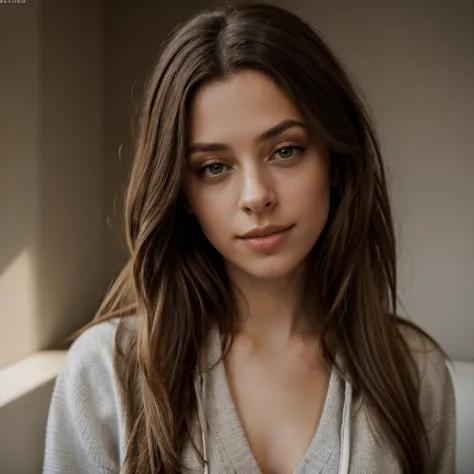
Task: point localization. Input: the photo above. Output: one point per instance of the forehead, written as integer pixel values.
(242, 106)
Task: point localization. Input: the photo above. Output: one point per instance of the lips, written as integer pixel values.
(266, 239)
(264, 231)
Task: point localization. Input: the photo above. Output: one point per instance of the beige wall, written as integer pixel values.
(70, 74)
(414, 61)
(19, 170)
(51, 171)
(67, 71)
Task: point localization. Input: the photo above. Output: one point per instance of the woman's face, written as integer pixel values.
(251, 163)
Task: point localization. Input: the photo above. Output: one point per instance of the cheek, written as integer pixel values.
(311, 195)
(311, 203)
(213, 213)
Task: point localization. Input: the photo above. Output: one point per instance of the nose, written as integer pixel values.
(257, 193)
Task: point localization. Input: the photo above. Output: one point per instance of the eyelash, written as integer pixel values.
(291, 147)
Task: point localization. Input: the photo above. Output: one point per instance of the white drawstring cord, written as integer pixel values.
(346, 431)
(200, 386)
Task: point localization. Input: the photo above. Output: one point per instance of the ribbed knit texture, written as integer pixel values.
(85, 429)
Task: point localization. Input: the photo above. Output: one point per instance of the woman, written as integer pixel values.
(254, 328)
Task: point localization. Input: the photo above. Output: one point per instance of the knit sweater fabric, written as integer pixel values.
(86, 430)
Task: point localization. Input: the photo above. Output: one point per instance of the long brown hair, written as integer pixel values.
(174, 281)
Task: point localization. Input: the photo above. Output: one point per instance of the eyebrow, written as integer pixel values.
(272, 132)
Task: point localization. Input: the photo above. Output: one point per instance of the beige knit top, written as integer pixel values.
(86, 433)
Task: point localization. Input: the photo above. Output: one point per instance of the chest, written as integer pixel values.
(279, 398)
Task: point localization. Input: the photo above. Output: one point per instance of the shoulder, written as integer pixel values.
(90, 372)
(86, 417)
(430, 360)
(93, 351)
(436, 395)
(90, 359)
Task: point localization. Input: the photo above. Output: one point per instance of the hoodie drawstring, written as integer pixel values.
(346, 431)
(200, 385)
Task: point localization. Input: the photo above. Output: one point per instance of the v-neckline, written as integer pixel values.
(226, 427)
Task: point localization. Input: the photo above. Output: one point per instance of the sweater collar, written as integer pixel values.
(226, 430)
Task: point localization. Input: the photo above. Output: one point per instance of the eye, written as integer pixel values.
(288, 152)
(212, 170)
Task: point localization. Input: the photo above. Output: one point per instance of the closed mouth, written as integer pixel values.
(264, 232)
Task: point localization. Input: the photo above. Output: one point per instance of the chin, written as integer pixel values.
(270, 267)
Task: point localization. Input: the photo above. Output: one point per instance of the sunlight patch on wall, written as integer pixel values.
(18, 316)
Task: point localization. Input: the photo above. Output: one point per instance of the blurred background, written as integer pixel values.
(71, 77)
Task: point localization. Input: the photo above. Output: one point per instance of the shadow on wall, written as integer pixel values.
(51, 257)
(68, 98)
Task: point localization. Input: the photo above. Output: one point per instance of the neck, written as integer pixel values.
(272, 311)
